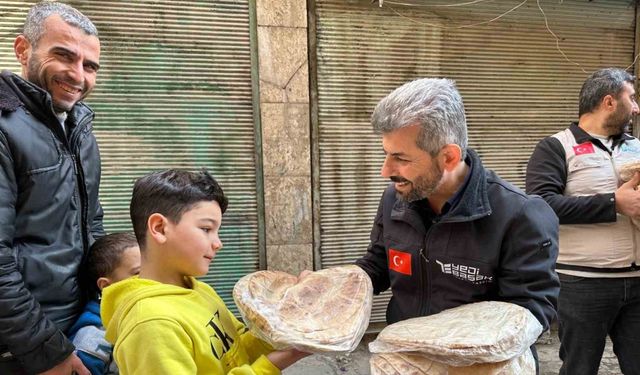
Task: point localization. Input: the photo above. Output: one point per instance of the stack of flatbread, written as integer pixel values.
(627, 170)
(417, 364)
(328, 310)
(480, 338)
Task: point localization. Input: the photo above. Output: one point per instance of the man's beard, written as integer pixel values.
(33, 73)
(617, 122)
(422, 187)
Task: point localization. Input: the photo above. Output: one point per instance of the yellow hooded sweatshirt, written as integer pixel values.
(165, 329)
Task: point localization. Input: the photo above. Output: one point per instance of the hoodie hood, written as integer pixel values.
(120, 298)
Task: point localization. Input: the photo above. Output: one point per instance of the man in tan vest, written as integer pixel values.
(575, 171)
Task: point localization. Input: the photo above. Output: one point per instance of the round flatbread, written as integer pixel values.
(327, 311)
(480, 332)
(405, 364)
(416, 364)
(627, 171)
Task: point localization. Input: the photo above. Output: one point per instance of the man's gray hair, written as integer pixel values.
(433, 104)
(603, 82)
(34, 24)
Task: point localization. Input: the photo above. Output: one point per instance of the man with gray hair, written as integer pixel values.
(448, 231)
(49, 177)
(575, 171)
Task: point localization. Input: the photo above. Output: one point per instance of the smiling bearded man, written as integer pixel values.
(448, 231)
(49, 176)
(579, 172)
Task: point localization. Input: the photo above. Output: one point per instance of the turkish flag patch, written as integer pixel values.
(400, 262)
(583, 148)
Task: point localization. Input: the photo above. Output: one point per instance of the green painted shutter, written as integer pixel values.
(174, 91)
(517, 88)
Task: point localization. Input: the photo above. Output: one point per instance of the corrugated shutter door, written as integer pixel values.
(174, 90)
(517, 88)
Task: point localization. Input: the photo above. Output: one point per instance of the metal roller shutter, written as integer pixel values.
(517, 88)
(174, 90)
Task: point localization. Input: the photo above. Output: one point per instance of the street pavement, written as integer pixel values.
(357, 362)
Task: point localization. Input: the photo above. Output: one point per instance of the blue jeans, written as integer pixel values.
(589, 309)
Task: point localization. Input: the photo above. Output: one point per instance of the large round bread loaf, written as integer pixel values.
(405, 364)
(416, 364)
(626, 171)
(474, 333)
(327, 311)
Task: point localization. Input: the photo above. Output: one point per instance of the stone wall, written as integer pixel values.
(284, 111)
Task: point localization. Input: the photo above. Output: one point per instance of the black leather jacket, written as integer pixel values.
(495, 243)
(49, 216)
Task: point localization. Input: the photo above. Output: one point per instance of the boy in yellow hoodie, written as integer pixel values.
(165, 321)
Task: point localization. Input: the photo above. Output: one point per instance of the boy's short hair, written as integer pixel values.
(171, 193)
(105, 255)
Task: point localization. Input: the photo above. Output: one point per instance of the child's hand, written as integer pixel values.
(285, 358)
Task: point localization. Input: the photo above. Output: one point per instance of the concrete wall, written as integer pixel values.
(284, 107)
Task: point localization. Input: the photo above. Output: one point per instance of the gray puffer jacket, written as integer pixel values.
(49, 216)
